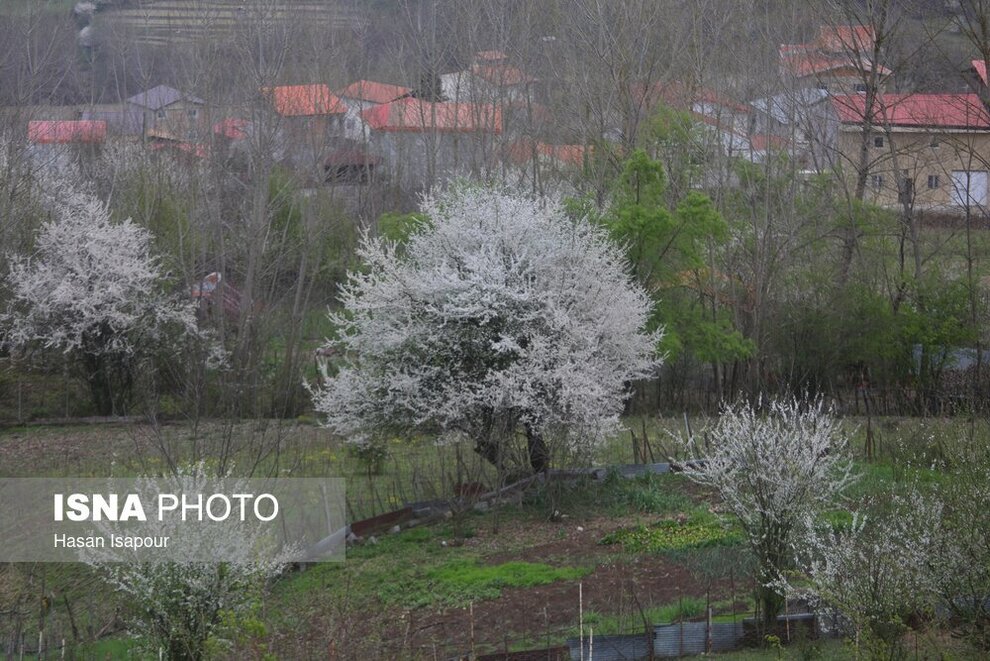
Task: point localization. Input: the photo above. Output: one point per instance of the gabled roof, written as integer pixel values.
(160, 97)
(369, 90)
(415, 115)
(980, 67)
(948, 111)
(835, 48)
(803, 64)
(305, 100)
(79, 131)
(499, 74)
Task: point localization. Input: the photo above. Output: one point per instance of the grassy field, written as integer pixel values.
(656, 547)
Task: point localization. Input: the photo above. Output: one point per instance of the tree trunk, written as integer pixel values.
(539, 453)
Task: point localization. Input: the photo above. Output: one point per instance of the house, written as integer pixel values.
(310, 117)
(68, 132)
(166, 110)
(361, 95)
(421, 141)
(161, 110)
(60, 143)
(488, 79)
(837, 61)
(931, 151)
(799, 120)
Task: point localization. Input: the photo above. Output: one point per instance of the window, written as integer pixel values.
(878, 141)
(860, 87)
(933, 181)
(877, 180)
(191, 113)
(160, 114)
(934, 143)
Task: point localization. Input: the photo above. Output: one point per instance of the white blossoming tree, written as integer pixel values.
(775, 469)
(182, 607)
(92, 290)
(874, 575)
(499, 316)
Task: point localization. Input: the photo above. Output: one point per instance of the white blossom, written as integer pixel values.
(773, 469)
(502, 312)
(91, 285)
(179, 605)
(874, 574)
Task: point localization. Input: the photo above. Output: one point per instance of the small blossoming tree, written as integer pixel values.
(775, 469)
(93, 291)
(499, 316)
(874, 574)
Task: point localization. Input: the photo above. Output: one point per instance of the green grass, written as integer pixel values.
(462, 582)
(666, 536)
(414, 569)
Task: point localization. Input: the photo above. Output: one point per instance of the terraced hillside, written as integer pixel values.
(172, 21)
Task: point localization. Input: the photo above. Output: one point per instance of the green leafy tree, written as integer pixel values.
(672, 246)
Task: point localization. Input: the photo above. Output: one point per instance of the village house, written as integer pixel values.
(363, 94)
(310, 119)
(421, 142)
(931, 151)
(837, 61)
(490, 78)
(798, 118)
(62, 143)
(727, 125)
(167, 113)
(161, 112)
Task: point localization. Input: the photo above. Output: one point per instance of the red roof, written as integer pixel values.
(845, 38)
(498, 74)
(839, 47)
(88, 131)
(411, 114)
(232, 128)
(808, 63)
(917, 110)
(369, 90)
(981, 70)
(305, 100)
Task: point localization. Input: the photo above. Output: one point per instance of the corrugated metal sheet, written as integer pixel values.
(669, 641)
(672, 640)
(611, 648)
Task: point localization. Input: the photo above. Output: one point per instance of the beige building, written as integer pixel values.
(929, 150)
